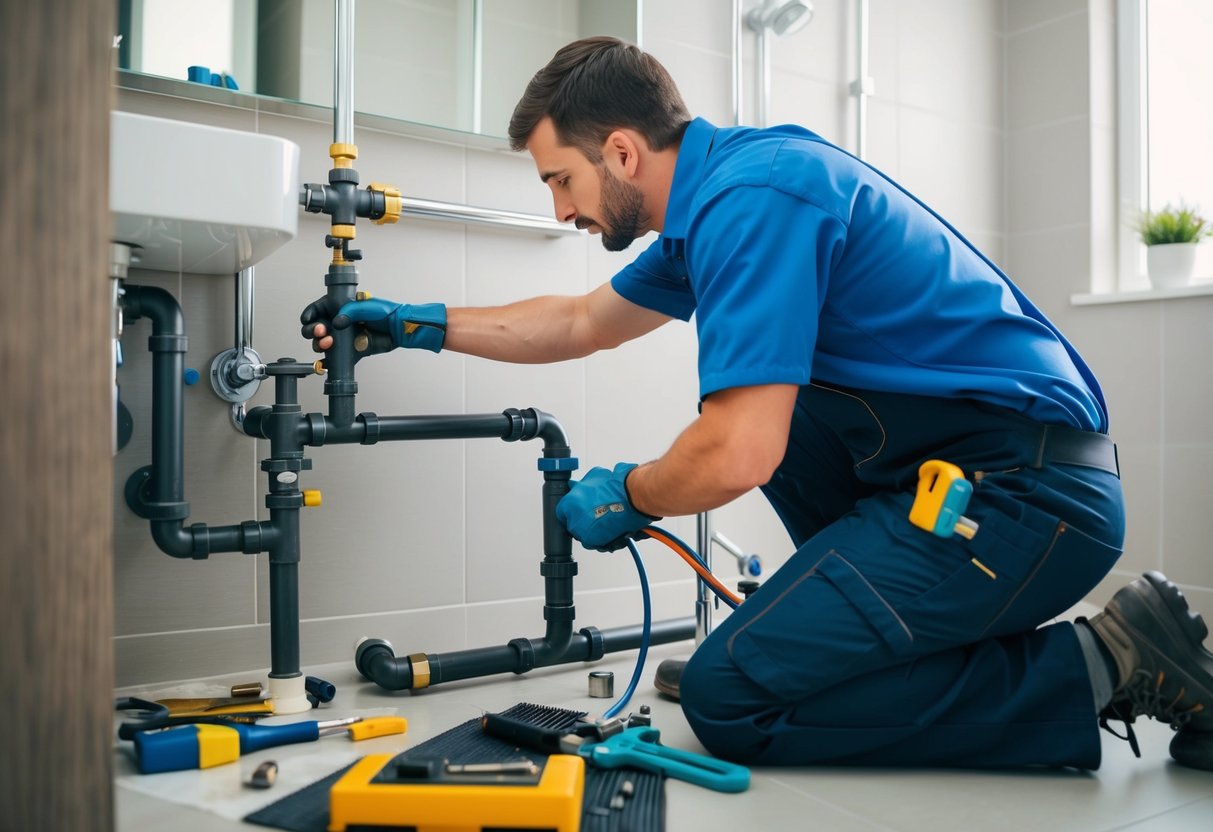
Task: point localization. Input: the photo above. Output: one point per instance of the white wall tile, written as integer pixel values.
(955, 168)
(1048, 180)
(709, 25)
(1020, 14)
(821, 107)
(1187, 394)
(1050, 265)
(704, 78)
(1048, 73)
(884, 26)
(960, 75)
(822, 50)
(1187, 523)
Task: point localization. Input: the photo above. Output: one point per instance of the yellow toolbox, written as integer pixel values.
(430, 795)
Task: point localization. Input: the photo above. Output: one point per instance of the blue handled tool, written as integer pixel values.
(617, 746)
(638, 747)
(202, 746)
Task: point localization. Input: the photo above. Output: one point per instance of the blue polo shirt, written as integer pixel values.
(799, 261)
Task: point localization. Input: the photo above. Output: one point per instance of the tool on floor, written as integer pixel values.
(206, 745)
(409, 791)
(144, 715)
(941, 499)
(638, 747)
(602, 684)
(248, 689)
(264, 776)
(319, 689)
(218, 706)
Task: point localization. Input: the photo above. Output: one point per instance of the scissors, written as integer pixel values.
(639, 747)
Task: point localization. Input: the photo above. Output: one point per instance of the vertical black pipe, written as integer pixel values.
(339, 383)
(284, 501)
(167, 344)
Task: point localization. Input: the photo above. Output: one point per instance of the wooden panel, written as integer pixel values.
(55, 526)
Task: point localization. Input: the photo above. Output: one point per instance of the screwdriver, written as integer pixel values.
(203, 746)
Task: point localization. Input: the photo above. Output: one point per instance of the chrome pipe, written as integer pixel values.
(343, 73)
(477, 64)
(737, 62)
(245, 281)
(863, 86)
(491, 217)
(704, 598)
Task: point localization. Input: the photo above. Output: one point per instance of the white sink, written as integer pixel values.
(200, 199)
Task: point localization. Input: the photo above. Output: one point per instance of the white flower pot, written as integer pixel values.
(1170, 265)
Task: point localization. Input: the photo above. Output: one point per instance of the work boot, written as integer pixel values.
(668, 678)
(1164, 671)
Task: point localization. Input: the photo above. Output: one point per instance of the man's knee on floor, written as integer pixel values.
(719, 712)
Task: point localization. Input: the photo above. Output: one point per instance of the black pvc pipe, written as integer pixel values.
(377, 661)
(157, 492)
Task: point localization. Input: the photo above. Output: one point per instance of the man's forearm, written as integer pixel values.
(734, 446)
(534, 331)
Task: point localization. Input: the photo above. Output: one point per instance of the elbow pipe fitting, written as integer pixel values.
(156, 492)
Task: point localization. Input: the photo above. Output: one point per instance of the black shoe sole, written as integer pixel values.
(1190, 622)
(1193, 749)
(1174, 634)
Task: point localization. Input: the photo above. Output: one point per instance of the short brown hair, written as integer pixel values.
(596, 85)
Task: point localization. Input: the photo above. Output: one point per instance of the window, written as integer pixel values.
(1166, 121)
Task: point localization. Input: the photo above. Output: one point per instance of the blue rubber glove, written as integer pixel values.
(416, 327)
(598, 512)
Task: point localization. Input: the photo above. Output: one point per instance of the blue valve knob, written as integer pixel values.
(754, 566)
(190, 376)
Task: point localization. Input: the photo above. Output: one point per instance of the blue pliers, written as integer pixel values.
(639, 748)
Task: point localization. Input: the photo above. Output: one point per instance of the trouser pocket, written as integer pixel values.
(826, 626)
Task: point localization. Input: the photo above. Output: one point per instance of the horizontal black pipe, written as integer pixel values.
(369, 428)
(376, 660)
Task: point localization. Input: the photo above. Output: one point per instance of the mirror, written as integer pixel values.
(456, 64)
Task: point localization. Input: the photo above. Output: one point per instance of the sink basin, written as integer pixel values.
(200, 199)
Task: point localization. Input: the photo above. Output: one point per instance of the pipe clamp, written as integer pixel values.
(550, 463)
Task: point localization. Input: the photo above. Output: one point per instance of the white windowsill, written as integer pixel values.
(1196, 289)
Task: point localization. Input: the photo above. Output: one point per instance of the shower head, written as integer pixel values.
(783, 17)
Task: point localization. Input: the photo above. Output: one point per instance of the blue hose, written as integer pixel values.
(644, 635)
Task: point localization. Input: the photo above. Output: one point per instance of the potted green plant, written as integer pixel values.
(1171, 236)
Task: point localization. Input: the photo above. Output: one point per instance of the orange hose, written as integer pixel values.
(694, 563)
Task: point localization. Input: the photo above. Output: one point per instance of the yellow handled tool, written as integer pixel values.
(202, 746)
(943, 495)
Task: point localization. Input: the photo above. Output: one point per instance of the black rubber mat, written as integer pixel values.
(307, 810)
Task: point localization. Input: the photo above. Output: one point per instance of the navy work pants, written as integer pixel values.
(879, 643)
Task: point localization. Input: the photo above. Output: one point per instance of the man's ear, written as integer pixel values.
(621, 151)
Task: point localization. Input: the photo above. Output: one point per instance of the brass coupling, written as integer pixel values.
(420, 664)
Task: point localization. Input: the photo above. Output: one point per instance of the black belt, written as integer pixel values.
(1070, 446)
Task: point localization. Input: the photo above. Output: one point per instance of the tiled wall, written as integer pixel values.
(1150, 356)
(436, 545)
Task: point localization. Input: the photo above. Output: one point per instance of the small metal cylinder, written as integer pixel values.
(602, 684)
(247, 689)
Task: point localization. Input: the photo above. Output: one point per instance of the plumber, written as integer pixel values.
(847, 334)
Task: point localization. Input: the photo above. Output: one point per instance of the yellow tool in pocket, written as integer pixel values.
(942, 497)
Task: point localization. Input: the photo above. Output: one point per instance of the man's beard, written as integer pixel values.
(622, 212)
